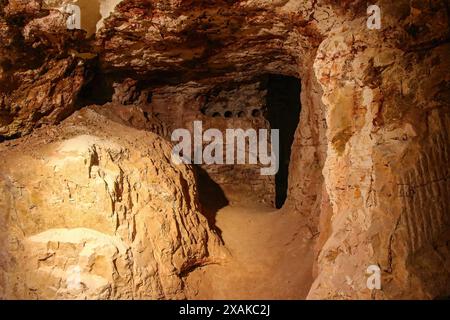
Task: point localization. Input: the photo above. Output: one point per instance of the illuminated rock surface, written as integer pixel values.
(79, 197)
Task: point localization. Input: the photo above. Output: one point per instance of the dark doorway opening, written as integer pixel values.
(283, 113)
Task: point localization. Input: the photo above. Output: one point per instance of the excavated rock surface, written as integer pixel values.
(94, 209)
(387, 166)
(40, 74)
(197, 40)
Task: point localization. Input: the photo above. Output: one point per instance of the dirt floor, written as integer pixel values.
(270, 257)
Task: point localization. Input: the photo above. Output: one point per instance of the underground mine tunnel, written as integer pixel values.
(270, 102)
(95, 202)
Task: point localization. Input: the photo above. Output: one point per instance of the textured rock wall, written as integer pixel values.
(39, 77)
(386, 173)
(87, 213)
(220, 108)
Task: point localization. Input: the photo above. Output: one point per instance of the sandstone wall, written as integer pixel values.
(39, 77)
(90, 214)
(386, 173)
(177, 107)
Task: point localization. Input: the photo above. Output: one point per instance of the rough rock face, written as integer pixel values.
(86, 213)
(238, 107)
(369, 170)
(39, 77)
(387, 168)
(197, 40)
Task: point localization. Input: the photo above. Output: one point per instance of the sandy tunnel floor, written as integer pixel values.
(271, 257)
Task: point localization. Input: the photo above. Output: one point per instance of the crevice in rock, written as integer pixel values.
(283, 113)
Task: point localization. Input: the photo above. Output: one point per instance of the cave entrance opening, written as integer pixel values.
(283, 113)
(270, 102)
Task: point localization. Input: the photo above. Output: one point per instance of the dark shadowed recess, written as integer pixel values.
(283, 113)
(211, 197)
